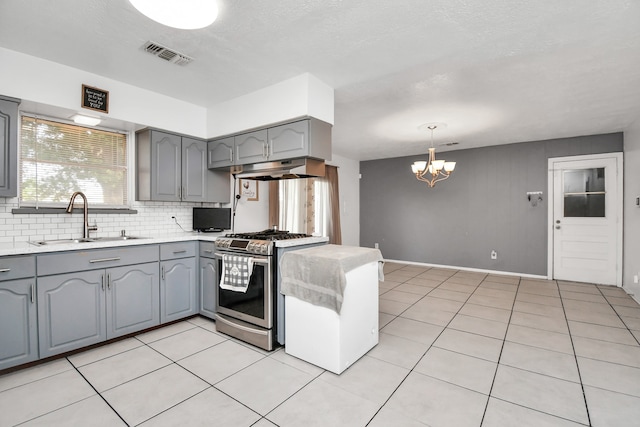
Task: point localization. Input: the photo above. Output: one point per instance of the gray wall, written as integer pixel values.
(480, 208)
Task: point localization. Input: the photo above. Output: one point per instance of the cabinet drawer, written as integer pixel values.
(177, 250)
(207, 249)
(17, 267)
(68, 262)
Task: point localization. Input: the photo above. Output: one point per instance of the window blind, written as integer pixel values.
(57, 159)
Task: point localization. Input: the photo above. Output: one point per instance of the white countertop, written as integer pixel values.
(299, 242)
(26, 248)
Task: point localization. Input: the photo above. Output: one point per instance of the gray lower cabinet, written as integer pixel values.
(133, 299)
(208, 279)
(71, 311)
(84, 308)
(18, 313)
(108, 299)
(178, 281)
(8, 146)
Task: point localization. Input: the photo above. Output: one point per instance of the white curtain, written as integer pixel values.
(293, 205)
(309, 206)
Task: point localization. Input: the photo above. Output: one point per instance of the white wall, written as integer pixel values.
(631, 263)
(40, 81)
(300, 96)
(252, 215)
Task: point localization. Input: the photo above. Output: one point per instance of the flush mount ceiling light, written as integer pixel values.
(433, 170)
(182, 14)
(85, 120)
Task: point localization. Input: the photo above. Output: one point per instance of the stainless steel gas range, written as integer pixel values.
(253, 311)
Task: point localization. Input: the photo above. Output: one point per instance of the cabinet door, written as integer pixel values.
(289, 141)
(8, 148)
(178, 296)
(166, 166)
(133, 299)
(18, 328)
(70, 311)
(194, 170)
(220, 153)
(208, 286)
(251, 147)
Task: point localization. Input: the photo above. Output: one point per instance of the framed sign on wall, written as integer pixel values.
(95, 99)
(249, 189)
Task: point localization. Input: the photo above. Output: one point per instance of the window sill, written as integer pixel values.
(24, 211)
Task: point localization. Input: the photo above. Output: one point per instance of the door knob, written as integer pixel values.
(557, 227)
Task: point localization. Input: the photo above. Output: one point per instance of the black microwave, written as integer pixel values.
(211, 219)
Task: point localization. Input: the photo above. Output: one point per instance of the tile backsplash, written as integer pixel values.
(151, 219)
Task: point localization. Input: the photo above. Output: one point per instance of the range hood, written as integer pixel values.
(283, 169)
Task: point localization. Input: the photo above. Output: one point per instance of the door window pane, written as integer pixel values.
(584, 194)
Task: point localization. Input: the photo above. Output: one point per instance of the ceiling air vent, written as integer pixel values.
(166, 53)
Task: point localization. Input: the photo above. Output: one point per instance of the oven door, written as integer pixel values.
(255, 305)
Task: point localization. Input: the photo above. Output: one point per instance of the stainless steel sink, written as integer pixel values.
(61, 242)
(114, 239)
(90, 240)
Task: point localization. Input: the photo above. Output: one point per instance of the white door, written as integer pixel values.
(586, 218)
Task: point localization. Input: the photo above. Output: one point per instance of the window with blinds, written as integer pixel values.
(57, 159)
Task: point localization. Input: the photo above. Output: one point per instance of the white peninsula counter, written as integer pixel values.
(331, 304)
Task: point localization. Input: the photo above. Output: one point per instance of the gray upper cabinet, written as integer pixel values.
(174, 168)
(194, 170)
(251, 147)
(8, 147)
(306, 138)
(18, 312)
(303, 138)
(220, 153)
(166, 155)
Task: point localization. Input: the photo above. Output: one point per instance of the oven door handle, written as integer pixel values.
(256, 260)
(244, 328)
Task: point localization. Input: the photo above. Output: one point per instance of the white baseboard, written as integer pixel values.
(477, 270)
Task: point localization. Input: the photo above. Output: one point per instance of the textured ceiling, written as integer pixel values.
(494, 71)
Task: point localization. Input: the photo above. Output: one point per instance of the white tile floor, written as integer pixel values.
(456, 349)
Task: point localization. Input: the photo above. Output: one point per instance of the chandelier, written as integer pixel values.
(433, 170)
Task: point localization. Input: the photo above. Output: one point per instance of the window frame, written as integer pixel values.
(55, 207)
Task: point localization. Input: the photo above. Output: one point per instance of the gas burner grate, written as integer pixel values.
(269, 235)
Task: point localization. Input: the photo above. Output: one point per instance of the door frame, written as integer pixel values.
(618, 157)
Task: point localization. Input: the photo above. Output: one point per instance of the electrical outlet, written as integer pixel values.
(375, 245)
(635, 279)
(494, 255)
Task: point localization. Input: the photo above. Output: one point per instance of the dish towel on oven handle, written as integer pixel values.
(236, 272)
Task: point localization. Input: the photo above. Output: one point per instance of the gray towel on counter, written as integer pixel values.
(318, 275)
(236, 272)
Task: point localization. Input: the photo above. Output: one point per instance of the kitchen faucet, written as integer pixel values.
(87, 228)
